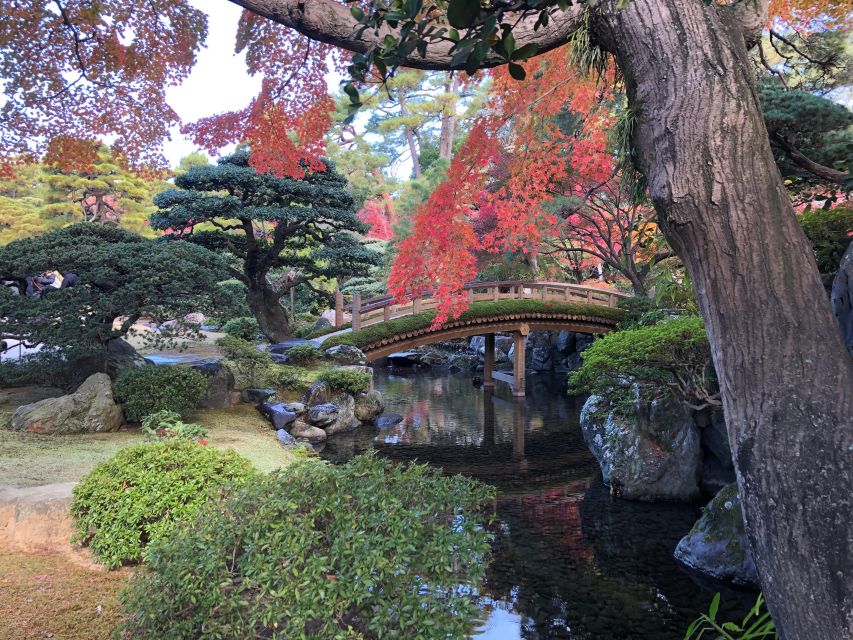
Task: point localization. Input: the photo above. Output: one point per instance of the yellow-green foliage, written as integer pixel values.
(140, 495)
(368, 549)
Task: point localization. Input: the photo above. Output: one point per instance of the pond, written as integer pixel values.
(569, 560)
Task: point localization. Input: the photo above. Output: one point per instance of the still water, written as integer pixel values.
(569, 560)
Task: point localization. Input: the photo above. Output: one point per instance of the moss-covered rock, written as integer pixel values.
(717, 545)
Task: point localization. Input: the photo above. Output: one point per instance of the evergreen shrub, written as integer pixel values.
(145, 390)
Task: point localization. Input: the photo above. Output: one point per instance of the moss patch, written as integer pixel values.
(374, 333)
(29, 459)
(46, 596)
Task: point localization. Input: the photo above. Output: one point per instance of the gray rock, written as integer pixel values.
(346, 354)
(277, 414)
(717, 545)
(538, 351)
(295, 407)
(842, 297)
(583, 340)
(368, 406)
(652, 454)
(571, 362)
(304, 431)
(90, 409)
(284, 438)
(388, 420)
(565, 343)
(322, 415)
(464, 361)
(405, 359)
(319, 393)
(322, 323)
(345, 420)
(220, 384)
(257, 396)
(121, 356)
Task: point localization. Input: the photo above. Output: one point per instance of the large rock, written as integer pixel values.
(256, 396)
(717, 545)
(652, 453)
(304, 431)
(842, 297)
(538, 351)
(319, 393)
(565, 343)
(283, 347)
(220, 384)
(346, 354)
(277, 414)
(388, 420)
(90, 409)
(284, 438)
(405, 359)
(368, 406)
(121, 356)
(337, 416)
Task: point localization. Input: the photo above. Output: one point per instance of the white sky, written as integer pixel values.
(219, 81)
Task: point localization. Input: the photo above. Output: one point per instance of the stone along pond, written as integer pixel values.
(569, 560)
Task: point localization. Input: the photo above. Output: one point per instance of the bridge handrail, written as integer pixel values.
(364, 312)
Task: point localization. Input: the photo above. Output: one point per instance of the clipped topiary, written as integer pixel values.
(142, 493)
(246, 328)
(351, 381)
(369, 549)
(150, 389)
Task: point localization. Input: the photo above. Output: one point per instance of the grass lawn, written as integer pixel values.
(44, 596)
(28, 460)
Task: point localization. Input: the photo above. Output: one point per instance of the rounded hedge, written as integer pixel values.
(246, 328)
(145, 390)
(141, 494)
(363, 550)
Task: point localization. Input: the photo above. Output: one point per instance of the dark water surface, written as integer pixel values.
(569, 560)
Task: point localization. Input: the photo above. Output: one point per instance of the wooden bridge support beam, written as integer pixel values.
(339, 309)
(518, 362)
(489, 361)
(356, 311)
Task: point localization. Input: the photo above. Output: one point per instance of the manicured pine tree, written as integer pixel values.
(281, 232)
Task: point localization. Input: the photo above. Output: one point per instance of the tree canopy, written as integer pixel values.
(281, 232)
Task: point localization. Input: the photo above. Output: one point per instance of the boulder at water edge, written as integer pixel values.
(121, 356)
(368, 406)
(651, 453)
(717, 545)
(337, 416)
(90, 409)
(277, 414)
(346, 354)
(304, 431)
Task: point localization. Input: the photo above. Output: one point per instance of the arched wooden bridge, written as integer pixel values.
(550, 306)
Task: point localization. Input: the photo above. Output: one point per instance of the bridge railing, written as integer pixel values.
(383, 308)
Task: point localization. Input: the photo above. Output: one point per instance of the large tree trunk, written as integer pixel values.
(271, 316)
(448, 120)
(785, 376)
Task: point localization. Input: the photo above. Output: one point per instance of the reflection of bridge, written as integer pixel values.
(554, 306)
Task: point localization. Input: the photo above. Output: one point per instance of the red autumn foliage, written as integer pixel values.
(379, 217)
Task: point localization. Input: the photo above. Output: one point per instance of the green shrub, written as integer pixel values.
(41, 369)
(670, 358)
(829, 233)
(167, 425)
(350, 381)
(246, 328)
(369, 549)
(228, 300)
(757, 624)
(149, 389)
(292, 378)
(303, 354)
(140, 495)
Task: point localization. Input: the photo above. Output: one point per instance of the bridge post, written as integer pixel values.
(518, 364)
(489, 361)
(339, 308)
(356, 311)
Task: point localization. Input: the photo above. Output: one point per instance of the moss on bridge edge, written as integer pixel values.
(374, 333)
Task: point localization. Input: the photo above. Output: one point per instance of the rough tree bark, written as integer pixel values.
(267, 309)
(786, 379)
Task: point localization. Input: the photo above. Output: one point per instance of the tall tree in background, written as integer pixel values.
(280, 232)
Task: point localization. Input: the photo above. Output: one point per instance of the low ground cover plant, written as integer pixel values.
(368, 549)
(140, 495)
(303, 354)
(146, 390)
(167, 425)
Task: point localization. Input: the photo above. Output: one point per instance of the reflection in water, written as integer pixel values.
(570, 561)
